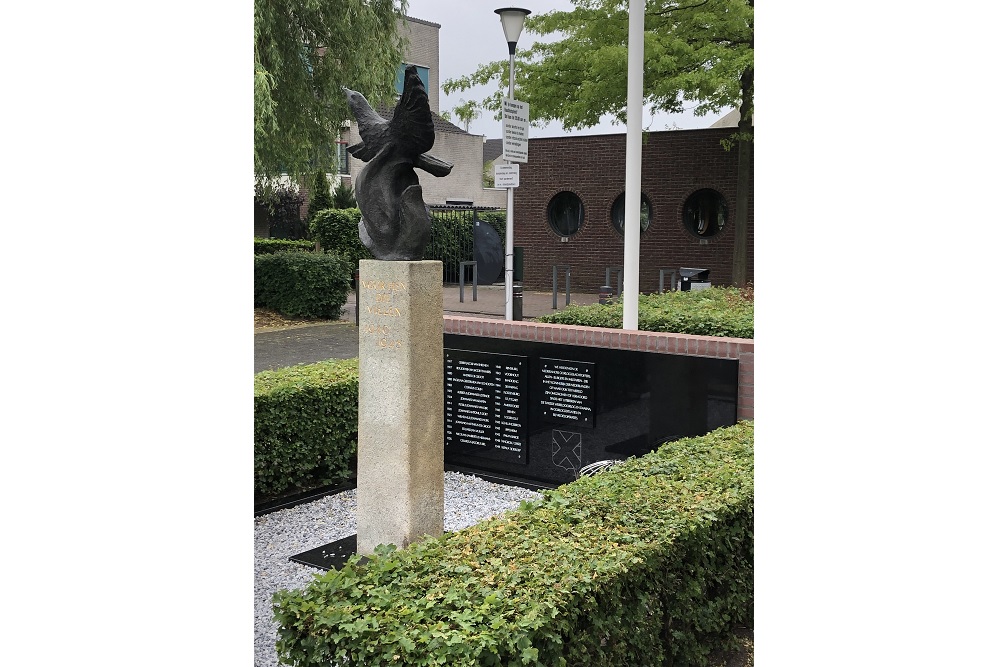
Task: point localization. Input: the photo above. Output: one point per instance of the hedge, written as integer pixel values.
(305, 431)
(649, 563)
(450, 242)
(300, 284)
(716, 311)
(336, 229)
(263, 246)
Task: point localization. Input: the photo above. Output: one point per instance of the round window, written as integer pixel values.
(565, 213)
(618, 213)
(705, 213)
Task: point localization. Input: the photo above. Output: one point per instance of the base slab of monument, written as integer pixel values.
(400, 403)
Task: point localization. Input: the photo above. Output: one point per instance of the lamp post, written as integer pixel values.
(512, 19)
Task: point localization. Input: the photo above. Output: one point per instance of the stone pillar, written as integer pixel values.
(400, 403)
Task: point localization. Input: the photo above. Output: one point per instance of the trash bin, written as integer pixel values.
(693, 278)
(604, 296)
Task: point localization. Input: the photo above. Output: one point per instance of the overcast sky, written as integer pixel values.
(471, 35)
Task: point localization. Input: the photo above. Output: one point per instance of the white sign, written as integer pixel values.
(515, 130)
(506, 175)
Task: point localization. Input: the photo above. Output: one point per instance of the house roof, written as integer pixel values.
(492, 149)
(731, 119)
(440, 124)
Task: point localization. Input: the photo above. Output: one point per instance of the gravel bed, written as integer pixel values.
(467, 500)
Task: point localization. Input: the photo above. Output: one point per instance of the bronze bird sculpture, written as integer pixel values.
(395, 223)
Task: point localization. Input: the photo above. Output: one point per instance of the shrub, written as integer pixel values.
(337, 231)
(301, 284)
(343, 196)
(649, 563)
(305, 425)
(320, 198)
(716, 311)
(271, 246)
(284, 205)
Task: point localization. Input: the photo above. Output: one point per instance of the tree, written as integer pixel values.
(282, 201)
(695, 50)
(304, 53)
(466, 112)
(320, 197)
(343, 196)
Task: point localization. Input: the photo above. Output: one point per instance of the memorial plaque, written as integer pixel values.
(486, 405)
(567, 391)
(582, 405)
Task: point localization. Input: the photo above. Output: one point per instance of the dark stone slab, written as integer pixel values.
(578, 405)
(330, 556)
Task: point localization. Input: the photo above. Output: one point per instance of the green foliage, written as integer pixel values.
(466, 112)
(304, 52)
(301, 284)
(283, 203)
(716, 311)
(452, 233)
(271, 246)
(305, 425)
(320, 197)
(337, 231)
(576, 72)
(343, 196)
(649, 563)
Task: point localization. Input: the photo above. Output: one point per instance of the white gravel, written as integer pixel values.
(467, 500)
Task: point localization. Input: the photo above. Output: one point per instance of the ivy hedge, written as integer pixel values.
(269, 246)
(649, 563)
(716, 311)
(305, 425)
(301, 284)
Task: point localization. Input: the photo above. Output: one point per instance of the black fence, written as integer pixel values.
(463, 234)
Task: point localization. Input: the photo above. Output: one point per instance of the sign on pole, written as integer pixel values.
(506, 175)
(515, 130)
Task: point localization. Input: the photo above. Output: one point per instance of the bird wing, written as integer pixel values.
(411, 127)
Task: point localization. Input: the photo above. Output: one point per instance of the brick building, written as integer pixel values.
(569, 208)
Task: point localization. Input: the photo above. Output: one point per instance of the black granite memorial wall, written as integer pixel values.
(531, 411)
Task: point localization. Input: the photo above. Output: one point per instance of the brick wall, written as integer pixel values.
(640, 341)
(674, 165)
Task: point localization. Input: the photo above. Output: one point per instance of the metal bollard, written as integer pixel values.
(518, 303)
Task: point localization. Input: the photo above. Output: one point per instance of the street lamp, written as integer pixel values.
(512, 19)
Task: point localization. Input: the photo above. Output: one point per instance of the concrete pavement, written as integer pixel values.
(310, 343)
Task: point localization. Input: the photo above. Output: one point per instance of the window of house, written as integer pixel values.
(618, 213)
(705, 213)
(565, 213)
(342, 165)
(422, 72)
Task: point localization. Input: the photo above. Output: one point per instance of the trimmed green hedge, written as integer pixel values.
(716, 311)
(301, 284)
(305, 425)
(649, 563)
(336, 229)
(269, 246)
